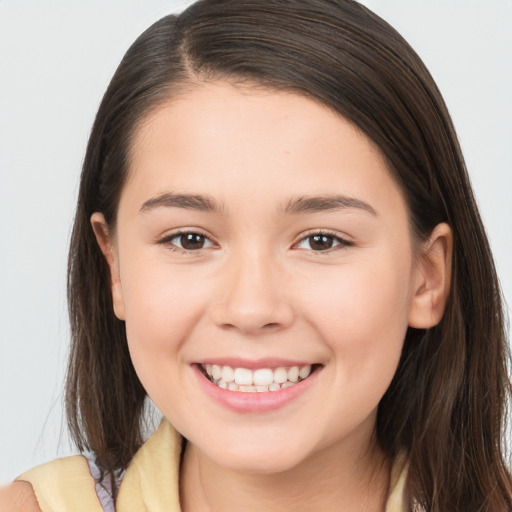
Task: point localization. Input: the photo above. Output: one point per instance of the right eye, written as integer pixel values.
(187, 241)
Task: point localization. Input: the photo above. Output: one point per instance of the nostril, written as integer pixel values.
(249, 320)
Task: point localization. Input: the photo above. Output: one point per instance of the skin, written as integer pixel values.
(258, 288)
(18, 497)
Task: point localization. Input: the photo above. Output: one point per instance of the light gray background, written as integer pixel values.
(56, 58)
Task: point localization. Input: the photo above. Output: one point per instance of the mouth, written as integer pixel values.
(260, 380)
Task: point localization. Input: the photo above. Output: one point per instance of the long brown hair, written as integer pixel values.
(446, 407)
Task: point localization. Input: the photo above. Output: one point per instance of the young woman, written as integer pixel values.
(277, 242)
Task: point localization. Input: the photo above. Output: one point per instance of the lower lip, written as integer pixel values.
(253, 402)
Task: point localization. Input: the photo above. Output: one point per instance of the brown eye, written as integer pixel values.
(188, 241)
(321, 242)
(191, 241)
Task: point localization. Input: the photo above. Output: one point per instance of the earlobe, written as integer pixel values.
(104, 239)
(432, 279)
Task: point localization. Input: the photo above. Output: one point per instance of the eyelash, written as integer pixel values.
(167, 241)
(341, 243)
(336, 239)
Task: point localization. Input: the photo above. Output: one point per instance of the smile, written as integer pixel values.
(261, 380)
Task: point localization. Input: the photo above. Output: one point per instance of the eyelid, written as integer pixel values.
(166, 239)
(343, 241)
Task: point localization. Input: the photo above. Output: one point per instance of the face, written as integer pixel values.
(261, 241)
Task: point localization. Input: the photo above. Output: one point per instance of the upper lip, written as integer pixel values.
(255, 363)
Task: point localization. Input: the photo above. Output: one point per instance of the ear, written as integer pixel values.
(106, 245)
(432, 279)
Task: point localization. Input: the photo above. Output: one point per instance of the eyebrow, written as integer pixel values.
(297, 205)
(198, 202)
(312, 204)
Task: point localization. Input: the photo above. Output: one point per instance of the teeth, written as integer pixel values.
(247, 389)
(258, 381)
(280, 375)
(305, 371)
(228, 374)
(243, 377)
(263, 377)
(216, 372)
(293, 374)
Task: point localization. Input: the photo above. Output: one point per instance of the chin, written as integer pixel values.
(257, 457)
(258, 464)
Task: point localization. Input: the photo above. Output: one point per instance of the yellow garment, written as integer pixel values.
(150, 484)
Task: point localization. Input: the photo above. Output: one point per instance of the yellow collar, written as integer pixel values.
(151, 482)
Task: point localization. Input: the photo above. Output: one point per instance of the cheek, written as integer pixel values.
(363, 296)
(362, 313)
(162, 308)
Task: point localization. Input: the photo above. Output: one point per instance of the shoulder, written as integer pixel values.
(62, 484)
(65, 469)
(18, 497)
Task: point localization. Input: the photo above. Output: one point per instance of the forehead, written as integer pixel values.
(218, 138)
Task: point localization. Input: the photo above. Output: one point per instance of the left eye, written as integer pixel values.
(190, 241)
(321, 242)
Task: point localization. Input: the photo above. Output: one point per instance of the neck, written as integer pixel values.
(331, 480)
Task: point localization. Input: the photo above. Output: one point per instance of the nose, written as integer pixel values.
(253, 298)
